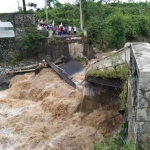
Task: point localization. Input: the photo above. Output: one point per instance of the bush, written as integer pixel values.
(44, 33)
(52, 40)
(131, 27)
(99, 33)
(114, 143)
(31, 40)
(79, 33)
(144, 25)
(117, 24)
(82, 61)
(17, 58)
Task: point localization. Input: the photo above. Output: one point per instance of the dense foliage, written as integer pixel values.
(109, 23)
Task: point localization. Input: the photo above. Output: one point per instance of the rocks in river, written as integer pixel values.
(4, 82)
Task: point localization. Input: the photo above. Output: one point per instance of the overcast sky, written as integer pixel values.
(7, 6)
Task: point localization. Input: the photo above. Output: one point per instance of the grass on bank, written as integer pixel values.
(114, 143)
(120, 72)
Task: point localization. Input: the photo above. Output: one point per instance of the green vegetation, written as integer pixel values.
(109, 25)
(79, 33)
(16, 58)
(121, 72)
(31, 39)
(52, 40)
(44, 33)
(115, 142)
(123, 96)
(81, 60)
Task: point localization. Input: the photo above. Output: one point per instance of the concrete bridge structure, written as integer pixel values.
(137, 57)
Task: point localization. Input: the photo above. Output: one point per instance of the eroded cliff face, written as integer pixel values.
(40, 112)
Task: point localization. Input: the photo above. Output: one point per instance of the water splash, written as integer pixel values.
(40, 112)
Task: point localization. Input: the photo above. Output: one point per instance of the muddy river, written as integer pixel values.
(42, 113)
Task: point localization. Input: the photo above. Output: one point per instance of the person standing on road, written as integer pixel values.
(69, 30)
(59, 30)
(74, 30)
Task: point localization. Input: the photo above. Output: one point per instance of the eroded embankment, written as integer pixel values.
(40, 112)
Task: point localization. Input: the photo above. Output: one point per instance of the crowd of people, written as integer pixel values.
(57, 30)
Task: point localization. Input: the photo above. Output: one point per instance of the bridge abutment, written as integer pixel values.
(140, 82)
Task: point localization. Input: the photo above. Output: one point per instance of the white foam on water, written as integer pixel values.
(12, 140)
(57, 138)
(9, 112)
(3, 93)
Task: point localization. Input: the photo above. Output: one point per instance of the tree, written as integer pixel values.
(31, 40)
(32, 5)
(50, 2)
(20, 9)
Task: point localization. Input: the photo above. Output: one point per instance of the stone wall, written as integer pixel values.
(9, 49)
(69, 47)
(140, 79)
(9, 46)
(4, 17)
(72, 47)
(20, 22)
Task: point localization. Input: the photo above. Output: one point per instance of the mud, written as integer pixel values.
(40, 112)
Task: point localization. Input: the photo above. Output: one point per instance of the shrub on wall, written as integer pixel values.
(30, 40)
(44, 33)
(16, 58)
(52, 40)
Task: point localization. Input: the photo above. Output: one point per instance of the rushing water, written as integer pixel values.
(40, 112)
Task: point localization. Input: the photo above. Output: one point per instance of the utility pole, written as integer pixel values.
(24, 6)
(46, 12)
(81, 22)
(18, 4)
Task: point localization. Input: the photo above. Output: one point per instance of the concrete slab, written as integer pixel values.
(5, 25)
(7, 33)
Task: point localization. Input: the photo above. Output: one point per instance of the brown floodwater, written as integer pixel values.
(42, 112)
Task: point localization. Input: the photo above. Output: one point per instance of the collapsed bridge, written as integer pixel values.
(136, 56)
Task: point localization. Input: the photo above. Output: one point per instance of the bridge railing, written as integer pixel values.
(119, 57)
